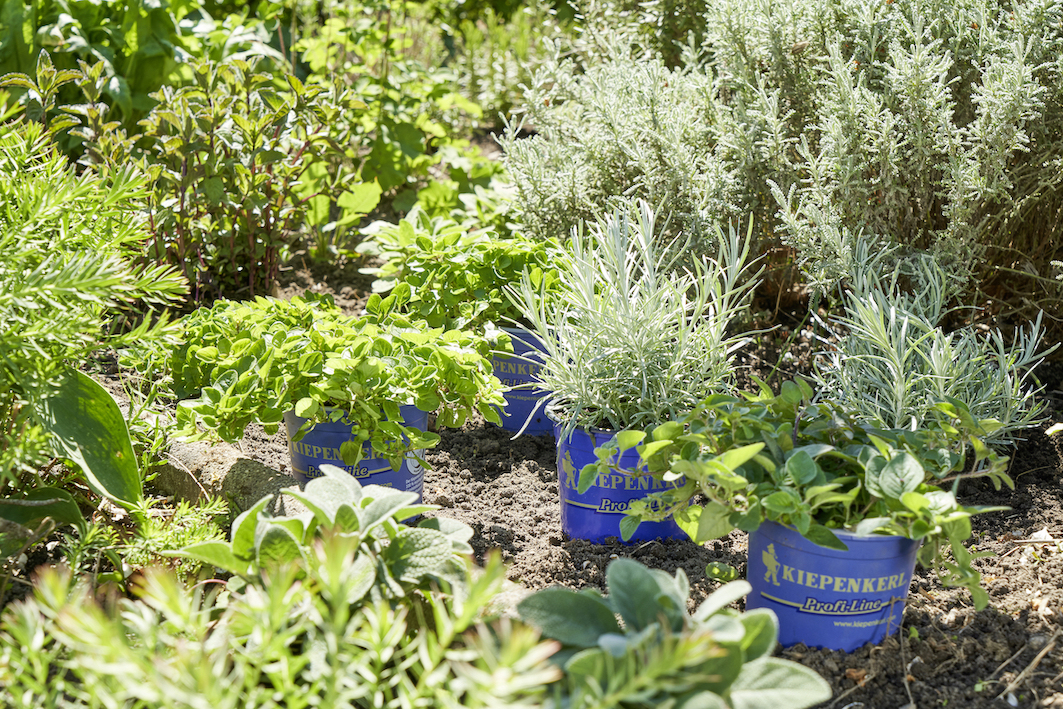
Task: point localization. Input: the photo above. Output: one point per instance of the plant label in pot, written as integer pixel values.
(830, 598)
(596, 514)
(321, 446)
(520, 370)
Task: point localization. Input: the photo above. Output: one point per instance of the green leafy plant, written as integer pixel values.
(371, 48)
(663, 655)
(813, 467)
(894, 362)
(629, 340)
(368, 515)
(458, 277)
(141, 45)
(352, 615)
(70, 243)
(239, 167)
(252, 362)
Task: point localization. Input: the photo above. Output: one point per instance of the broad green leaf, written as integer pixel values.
(275, 544)
(771, 683)
(800, 467)
(572, 618)
(217, 554)
(361, 199)
(385, 503)
(587, 475)
(713, 523)
(633, 593)
(43, 502)
(701, 700)
(417, 551)
(629, 439)
(306, 407)
(360, 576)
(915, 502)
(628, 526)
(88, 428)
(901, 474)
(721, 598)
(243, 529)
(736, 457)
(762, 630)
(824, 537)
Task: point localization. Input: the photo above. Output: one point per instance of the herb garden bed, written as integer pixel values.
(945, 655)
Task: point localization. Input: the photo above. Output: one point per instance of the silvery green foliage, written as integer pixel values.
(895, 363)
(631, 339)
(394, 555)
(663, 656)
(623, 127)
(934, 125)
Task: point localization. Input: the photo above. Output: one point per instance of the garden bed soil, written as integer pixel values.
(946, 654)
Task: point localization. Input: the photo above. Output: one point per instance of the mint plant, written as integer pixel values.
(241, 363)
(813, 467)
(662, 655)
(630, 339)
(239, 167)
(457, 277)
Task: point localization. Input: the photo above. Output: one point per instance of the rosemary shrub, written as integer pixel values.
(630, 339)
(895, 364)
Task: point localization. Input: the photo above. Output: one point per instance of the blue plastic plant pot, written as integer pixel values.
(596, 514)
(321, 445)
(828, 598)
(515, 370)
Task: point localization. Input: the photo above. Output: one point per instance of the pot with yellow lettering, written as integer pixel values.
(630, 338)
(594, 506)
(823, 597)
(323, 443)
(524, 410)
(837, 512)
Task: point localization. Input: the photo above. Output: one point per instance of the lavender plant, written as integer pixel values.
(630, 339)
(625, 128)
(895, 364)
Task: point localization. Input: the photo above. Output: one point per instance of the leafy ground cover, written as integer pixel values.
(946, 653)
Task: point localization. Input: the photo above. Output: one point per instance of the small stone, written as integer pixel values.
(1038, 641)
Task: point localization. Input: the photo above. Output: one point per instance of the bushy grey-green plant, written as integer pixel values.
(894, 363)
(630, 339)
(930, 124)
(934, 125)
(626, 127)
(658, 654)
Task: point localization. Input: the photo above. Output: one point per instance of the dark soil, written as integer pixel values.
(946, 654)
